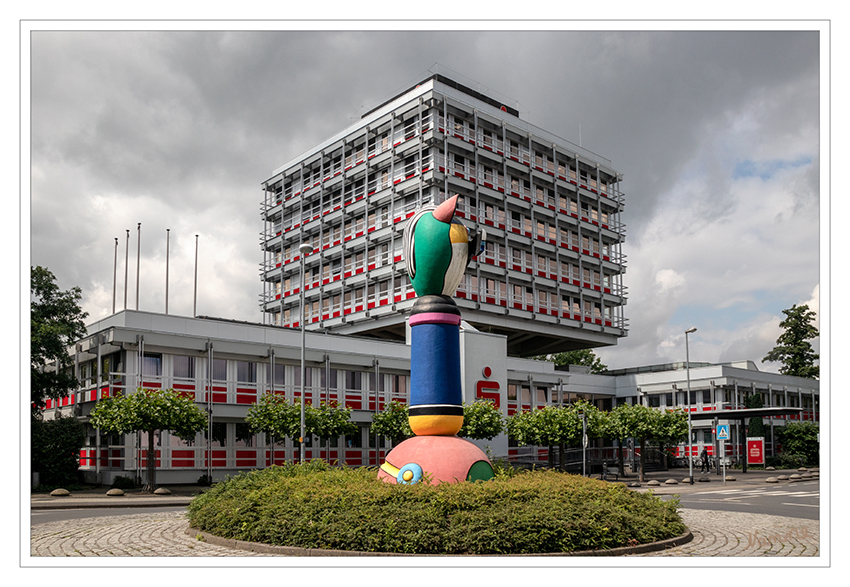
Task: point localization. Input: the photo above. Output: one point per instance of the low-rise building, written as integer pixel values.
(227, 365)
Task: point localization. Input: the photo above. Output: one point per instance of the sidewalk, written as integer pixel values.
(95, 497)
(734, 478)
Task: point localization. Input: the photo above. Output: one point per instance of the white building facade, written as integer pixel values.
(226, 366)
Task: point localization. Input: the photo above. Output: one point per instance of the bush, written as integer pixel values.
(316, 506)
(56, 448)
(121, 482)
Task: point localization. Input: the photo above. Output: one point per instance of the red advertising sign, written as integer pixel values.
(755, 450)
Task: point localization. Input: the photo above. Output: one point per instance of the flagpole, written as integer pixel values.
(167, 249)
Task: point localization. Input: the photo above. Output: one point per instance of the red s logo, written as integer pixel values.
(482, 386)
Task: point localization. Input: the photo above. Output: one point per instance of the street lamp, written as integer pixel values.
(690, 330)
(304, 249)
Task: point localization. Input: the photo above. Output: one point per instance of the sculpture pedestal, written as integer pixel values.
(445, 459)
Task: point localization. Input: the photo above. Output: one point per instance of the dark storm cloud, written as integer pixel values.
(178, 129)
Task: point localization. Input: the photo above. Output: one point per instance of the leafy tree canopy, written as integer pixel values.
(584, 357)
(56, 321)
(792, 347)
(274, 416)
(482, 420)
(149, 410)
(392, 422)
(553, 425)
(329, 420)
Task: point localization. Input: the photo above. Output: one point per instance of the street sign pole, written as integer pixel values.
(722, 432)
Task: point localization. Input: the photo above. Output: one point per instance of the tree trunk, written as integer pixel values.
(562, 456)
(150, 486)
(642, 460)
(551, 458)
(622, 469)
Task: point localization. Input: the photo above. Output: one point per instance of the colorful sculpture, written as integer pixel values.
(437, 250)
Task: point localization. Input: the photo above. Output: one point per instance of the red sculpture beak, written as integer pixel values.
(446, 211)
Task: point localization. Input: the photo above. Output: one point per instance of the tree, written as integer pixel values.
(800, 439)
(584, 357)
(56, 321)
(482, 420)
(792, 347)
(56, 448)
(275, 417)
(328, 421)
(672, 429)
(639, 422)
(149, 410)
(555, 425)
(392, 422)
(616, 427)
(755, 426)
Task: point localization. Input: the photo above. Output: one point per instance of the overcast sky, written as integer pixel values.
(717, 134)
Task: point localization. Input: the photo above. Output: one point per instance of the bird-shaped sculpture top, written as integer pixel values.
(437, 249)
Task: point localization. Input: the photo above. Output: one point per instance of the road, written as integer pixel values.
(797, 500)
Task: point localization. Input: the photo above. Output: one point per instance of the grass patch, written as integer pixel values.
(318, 506)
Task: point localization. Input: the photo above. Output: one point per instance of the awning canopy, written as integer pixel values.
(745, 413)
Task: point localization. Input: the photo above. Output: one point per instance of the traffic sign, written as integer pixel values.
(723, 432)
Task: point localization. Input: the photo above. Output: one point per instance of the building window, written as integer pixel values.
(219, 435)
(219, 370)
(353, 380)
(354, 440)
(279, 374)
(184, 367)
(152, 364)
(246, 372)
(244, 437)
(541, 395)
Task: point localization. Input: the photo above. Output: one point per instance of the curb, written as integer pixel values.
(114, 502)
(297, 551)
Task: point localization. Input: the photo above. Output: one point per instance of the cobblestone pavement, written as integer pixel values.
(151, 534)
(163, 535)
(719, 533)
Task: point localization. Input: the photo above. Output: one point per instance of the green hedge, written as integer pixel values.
(317, 506)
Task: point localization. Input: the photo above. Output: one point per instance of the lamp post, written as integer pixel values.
(304, 249)
(690, 330)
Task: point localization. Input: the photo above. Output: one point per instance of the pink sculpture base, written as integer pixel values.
(444, 459)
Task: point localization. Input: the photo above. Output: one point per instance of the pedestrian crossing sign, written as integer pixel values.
(723, 432)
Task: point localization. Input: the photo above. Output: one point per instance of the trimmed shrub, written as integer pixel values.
(316, 506)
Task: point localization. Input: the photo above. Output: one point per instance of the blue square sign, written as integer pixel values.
(723, 432)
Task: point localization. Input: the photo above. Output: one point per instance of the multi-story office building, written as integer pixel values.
(550, 277)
